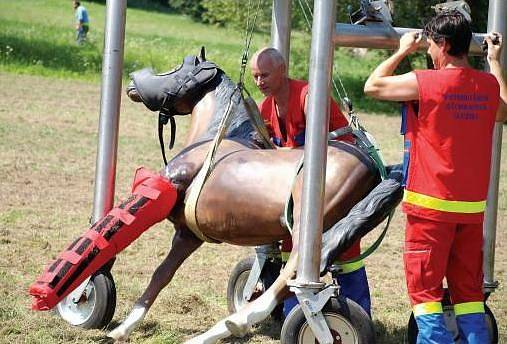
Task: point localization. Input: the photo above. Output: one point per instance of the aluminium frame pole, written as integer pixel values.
(281, 27)
(497, 14)
(375, 35)
(112, 65)
(317, 123)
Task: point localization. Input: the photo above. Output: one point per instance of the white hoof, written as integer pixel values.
(119, 333)
(123, 331)
(237, 329)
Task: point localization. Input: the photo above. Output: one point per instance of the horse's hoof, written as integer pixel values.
(118, 334)
(123, 331)
(238, 330)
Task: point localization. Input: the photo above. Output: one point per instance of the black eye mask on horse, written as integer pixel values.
(175, 92)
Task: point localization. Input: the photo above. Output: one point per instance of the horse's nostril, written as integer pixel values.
(132, 93)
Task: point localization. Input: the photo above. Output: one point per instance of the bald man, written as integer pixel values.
(284, 113)
(284, 108)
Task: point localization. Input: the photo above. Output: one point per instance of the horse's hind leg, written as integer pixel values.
(183, 245)
(258, 310)
(239, 323)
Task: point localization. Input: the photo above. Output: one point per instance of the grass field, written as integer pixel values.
(48, 136)
(47, 157)
(37, 38)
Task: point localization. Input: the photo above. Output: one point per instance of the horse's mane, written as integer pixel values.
(240, 127)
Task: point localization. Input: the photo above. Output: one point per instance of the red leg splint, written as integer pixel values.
(152, 199)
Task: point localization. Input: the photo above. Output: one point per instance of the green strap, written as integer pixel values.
(366, 144)
(373, 247)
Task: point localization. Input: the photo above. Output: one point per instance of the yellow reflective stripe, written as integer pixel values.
(285, 256)
(468, 308)
(350, 267)
(427, 308)
(442, 204)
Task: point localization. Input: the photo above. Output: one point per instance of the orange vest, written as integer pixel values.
(448, 142)
(295, 122)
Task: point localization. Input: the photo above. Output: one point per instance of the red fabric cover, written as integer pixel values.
(434, 250)
(152, 199)
(450, 139)
(295, 121)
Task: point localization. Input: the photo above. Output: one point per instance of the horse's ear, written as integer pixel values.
(202, 55)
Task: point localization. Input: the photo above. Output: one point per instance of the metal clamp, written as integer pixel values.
(377, 11)
(262, 254)
(76, 294)
(254, 275)
(460, 6)
(312, 305)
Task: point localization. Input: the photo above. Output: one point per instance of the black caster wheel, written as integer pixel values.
(238, 279)
(450, 323)
(348, 322)
(97, 304)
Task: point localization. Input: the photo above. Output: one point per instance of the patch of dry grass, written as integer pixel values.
(48, 133)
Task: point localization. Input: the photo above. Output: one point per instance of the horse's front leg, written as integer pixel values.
(183, 245)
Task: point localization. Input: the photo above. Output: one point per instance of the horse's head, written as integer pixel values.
(177, 91)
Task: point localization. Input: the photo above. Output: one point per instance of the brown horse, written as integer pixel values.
(243, 199)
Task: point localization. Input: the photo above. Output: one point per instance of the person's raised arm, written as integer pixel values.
(382, 84)
(493, 57)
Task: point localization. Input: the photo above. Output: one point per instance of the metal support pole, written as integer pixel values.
(380, 36)
(497, 15)
(112, 66)
(317, 120)
(280, 27)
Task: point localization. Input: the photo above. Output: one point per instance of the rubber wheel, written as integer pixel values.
(450, 322)
(96, 307)
(238, 279)
(348, 322)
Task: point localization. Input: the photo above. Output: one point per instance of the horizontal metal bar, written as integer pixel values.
(380, 36)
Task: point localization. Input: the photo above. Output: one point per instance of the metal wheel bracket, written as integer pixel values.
(312, 305)
(255, 274)
(76, 294)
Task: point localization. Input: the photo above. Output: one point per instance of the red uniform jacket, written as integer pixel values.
(295, 120)
(448, 138)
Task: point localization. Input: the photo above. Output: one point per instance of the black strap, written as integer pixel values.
(163, 119)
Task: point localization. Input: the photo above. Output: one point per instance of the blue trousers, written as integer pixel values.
(472, 329)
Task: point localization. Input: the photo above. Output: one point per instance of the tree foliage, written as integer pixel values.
(407, 13)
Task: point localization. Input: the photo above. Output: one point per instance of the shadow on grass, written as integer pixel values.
(270, 328)
(58, 56)
(103, 340)
(385, 335)
(148, 328)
